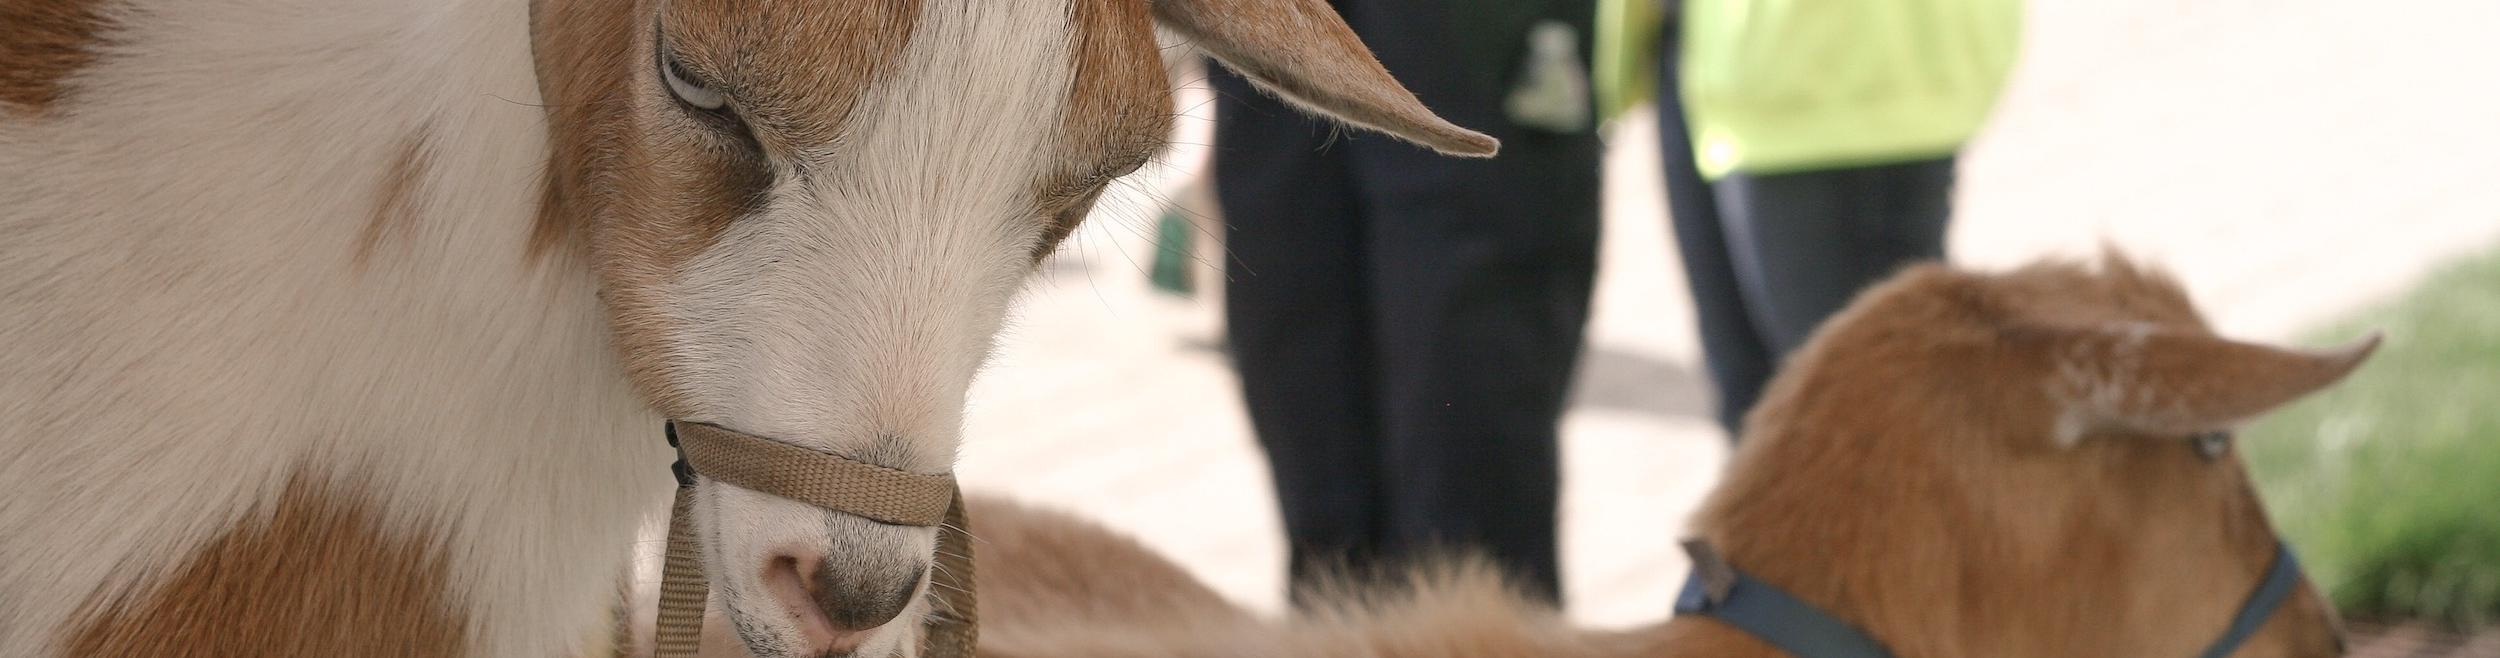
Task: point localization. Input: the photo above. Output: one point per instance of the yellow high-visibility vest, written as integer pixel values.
(1791, 85)
(1775, 86)
(1625, 54)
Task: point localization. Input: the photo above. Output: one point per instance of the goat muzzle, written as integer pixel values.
(827, 481)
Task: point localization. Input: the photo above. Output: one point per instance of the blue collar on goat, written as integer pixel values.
(1718, 590)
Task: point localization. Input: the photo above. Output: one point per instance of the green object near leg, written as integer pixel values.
(1174, 240)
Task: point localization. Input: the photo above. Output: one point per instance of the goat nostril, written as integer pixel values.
(857, 604)
(790, 580)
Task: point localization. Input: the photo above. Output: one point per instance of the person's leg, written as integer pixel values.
(1297, 319)
(1734, 351)
(1481, 275)
(1916, 202)
(1806, 243)
(1481, 294)
(1794, 247)
(1480, 272)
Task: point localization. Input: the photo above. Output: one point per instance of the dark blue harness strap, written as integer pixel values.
(1805, 631)
(1777, 617)
(2270, 594)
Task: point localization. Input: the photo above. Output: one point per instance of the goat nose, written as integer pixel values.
(859, 602)
(836, 604)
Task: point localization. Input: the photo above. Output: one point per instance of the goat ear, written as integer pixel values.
(1303, 52)
(2179, 384)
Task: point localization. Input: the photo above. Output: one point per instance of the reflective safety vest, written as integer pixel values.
(1792, 85)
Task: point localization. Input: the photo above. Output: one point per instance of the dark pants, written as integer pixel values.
(1405, 325)
(1768, 257)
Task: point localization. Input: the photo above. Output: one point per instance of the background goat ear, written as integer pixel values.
(1303, 52)
(2179, 383)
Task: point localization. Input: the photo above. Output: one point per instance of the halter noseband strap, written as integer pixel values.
(881, 494)
(1718, 590)
(828, 481)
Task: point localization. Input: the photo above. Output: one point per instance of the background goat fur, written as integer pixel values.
(1966, 465)
(346, 327)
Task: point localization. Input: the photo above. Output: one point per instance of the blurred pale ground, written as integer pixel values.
(2290, 159)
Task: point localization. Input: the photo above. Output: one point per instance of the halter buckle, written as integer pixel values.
(1716, 578)
(683, 471)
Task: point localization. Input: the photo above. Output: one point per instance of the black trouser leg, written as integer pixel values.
(1298, 316)
(1481, 274)
(1738, 359)
(1805, 243)
(1472, 289)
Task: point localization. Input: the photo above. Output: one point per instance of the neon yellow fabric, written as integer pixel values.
(1626, 54)
(1791, 85)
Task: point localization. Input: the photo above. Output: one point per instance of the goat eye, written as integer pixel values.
(2212, 445)
(683, 85)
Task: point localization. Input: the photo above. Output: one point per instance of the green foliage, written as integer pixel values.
(2389, 484)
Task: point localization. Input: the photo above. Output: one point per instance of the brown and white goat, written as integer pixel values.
(1965, 465)
(345, 328)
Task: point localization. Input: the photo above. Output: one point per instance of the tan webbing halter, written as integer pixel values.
(832, 482)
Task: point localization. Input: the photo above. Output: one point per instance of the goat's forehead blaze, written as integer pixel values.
(1118, 110)
(796, 67)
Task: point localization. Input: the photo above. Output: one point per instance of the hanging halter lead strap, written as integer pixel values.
(828, 481)
(1719, 591)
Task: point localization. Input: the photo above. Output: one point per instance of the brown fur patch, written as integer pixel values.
(583, 51)
(1119, 111)
(796, 69)
(1107, 578)
(1054, 586)
(395, 197)
(43, 42)
(639, 184)
(317, 573)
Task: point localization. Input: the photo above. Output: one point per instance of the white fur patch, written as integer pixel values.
(2096, 378)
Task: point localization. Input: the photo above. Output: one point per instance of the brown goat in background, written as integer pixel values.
(1962, 464)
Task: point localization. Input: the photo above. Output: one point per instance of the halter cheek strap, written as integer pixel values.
(827, 481)
(1719, 591)
(2280, 580)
